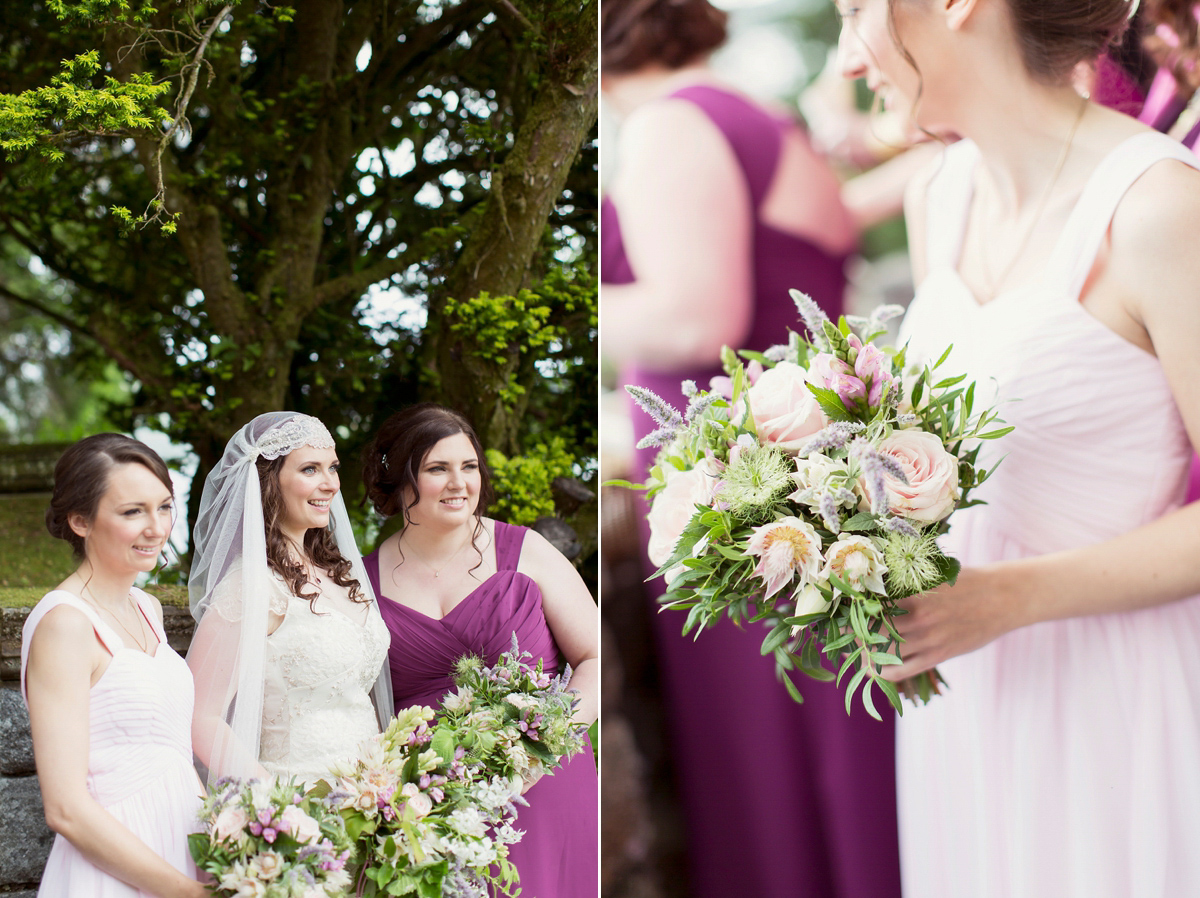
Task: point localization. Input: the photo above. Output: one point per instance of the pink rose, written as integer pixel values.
(675, 504)
(230, 822)
(785, 411)
(932, 472)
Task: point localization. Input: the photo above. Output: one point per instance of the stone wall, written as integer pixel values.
(25, 839)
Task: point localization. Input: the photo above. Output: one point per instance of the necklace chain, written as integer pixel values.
(993, 285)
(145, 647)
(437, 571)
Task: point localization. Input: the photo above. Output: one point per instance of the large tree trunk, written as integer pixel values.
(496, 257)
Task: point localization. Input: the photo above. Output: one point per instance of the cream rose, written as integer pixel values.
(675, 504)
(230, 823)
(302, 827)
(932, 473)
(785, 412)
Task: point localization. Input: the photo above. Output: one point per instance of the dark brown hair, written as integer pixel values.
(1183, 61)
(1054, 35)
(319, 544)
(673, 33)
(392, 460)
(81, 479)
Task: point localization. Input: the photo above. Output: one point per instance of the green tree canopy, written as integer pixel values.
(216, 192)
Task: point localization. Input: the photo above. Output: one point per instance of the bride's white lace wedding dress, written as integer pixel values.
(320, 668)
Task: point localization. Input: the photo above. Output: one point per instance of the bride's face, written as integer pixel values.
(447, 483)
(308, 481)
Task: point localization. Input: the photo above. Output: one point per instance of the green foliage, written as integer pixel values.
(41, 119)
(522, 483)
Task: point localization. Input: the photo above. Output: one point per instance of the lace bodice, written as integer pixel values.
(320, 668)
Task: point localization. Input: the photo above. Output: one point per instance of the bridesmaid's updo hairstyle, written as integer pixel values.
(81, 479)
(672, 33)
(392, 460)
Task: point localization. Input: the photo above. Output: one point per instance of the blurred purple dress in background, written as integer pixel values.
(782, 800)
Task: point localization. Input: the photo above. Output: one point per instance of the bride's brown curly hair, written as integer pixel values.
(319, 545)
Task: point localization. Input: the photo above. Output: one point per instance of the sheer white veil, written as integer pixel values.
(230, 589)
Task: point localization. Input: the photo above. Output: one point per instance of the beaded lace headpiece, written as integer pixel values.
(297, 431)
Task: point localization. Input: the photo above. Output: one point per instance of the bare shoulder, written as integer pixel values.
(670, 136)
(63, 634)
(1154, 229)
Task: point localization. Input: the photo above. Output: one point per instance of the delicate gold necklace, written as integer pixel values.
(145, 647)
(994, 285)
(437, 571)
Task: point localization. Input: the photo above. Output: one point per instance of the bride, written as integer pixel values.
(289, 647)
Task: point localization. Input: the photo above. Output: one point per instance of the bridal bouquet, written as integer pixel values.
(424, 821)
(271, 841)
(806, 491)
(512, 718)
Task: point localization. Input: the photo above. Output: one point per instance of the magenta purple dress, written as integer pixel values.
(781, 800)
(559, 855)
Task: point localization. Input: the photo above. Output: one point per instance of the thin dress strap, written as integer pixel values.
(508, 545)
(1089, 221)
(107, 636)
(142, 598)
(948, 203)
(755, 137)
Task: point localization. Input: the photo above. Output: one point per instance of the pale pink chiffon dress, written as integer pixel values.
(139, 753)
(1064, 759)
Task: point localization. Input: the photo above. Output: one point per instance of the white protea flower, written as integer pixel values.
(785, 547)
(857, 561)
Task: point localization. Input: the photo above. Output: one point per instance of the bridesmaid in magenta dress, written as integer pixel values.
(724, 206)
(453, 582)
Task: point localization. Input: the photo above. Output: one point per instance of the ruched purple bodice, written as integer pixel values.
(559, 855)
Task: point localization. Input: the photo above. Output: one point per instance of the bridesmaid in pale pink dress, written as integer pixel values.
(110, 703)
(1054, 247)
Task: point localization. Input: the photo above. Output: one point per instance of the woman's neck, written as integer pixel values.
(432, 541)
(105, 588)
(1022, 138)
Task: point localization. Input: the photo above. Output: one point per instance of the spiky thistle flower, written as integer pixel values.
(912, 562)
(755, 479)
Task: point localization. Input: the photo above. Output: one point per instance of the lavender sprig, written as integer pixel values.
(814, 318)
(899, 525)
(873, 467)
(836, 435)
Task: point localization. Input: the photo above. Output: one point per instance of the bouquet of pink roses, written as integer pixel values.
(270, 840)
(806, 491)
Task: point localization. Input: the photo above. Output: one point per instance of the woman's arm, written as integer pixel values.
(572, 616)
(63, 655)
(1150, 273)
(685, 223)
